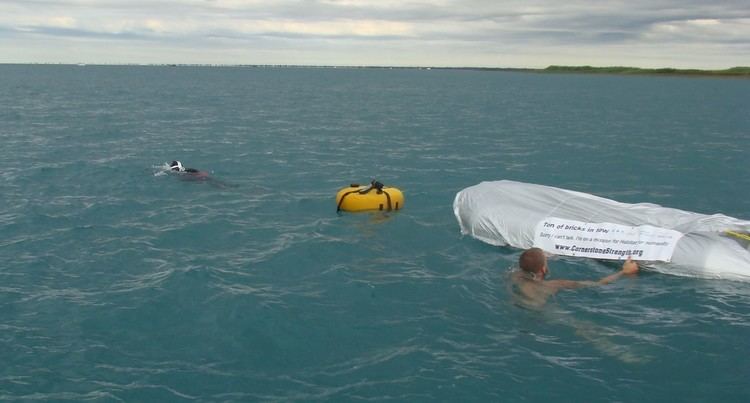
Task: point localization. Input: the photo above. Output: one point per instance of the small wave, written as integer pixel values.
(161, 170)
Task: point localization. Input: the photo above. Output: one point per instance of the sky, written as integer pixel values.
(703, 34)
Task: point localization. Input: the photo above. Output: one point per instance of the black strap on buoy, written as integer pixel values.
(387, 197)
(373, 185)
(379, 186)
(338, 208)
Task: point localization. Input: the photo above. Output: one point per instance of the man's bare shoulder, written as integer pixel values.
(532, 292)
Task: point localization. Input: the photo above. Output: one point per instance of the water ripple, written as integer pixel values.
(119, 284)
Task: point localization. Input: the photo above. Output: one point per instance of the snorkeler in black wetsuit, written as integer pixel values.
(189, 173)
(177, 167)
(192, 174)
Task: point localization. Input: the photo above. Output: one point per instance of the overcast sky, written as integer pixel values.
(483, 33)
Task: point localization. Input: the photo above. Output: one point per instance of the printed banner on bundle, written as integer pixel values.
(605, 240)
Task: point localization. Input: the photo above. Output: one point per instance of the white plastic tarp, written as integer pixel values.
(682, 242)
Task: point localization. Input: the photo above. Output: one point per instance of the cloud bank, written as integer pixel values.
(534, 33)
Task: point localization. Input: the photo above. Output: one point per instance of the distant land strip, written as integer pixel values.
(734, 71)
(740, 71)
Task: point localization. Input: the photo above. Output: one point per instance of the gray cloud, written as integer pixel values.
(535, 32)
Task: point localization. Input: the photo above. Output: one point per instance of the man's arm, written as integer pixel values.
(628, 268)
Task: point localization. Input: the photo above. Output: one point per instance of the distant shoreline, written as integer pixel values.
(731, 72)
(740, 71)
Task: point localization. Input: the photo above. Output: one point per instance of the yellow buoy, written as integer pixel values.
(373, 197)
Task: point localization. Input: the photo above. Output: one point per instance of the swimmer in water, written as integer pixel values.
(192, 174)
(534, 289)
(176, 166)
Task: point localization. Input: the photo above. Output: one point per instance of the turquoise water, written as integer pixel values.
(117, 283)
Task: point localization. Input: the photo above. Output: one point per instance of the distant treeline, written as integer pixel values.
(734, 71)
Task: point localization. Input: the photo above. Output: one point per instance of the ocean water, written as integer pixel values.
(118, 283)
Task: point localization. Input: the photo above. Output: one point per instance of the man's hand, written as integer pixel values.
(629, 267)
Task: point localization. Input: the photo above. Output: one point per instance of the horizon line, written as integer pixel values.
(550, 67)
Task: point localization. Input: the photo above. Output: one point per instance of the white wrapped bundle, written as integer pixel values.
(566, 222)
